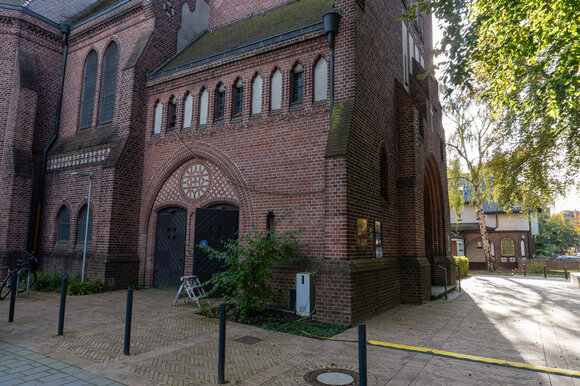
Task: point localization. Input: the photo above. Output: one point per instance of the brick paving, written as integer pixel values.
(530, 320)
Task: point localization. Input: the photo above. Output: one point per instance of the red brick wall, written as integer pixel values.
(26, 118)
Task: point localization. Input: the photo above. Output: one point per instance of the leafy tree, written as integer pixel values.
(248, 262)
(527, 54)
(558, 233)
(470, 147)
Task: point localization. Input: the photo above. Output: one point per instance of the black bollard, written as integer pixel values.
(545, 272)
(222, 345)
(566, 272)
(525, 271)
(63, 289)
(362, 354)
(14, 289)
(128, 321)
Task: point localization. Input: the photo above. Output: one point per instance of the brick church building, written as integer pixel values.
(201, 119)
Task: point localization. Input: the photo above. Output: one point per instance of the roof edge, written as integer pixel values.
(239, 50)
(100, 13)
(29, 12)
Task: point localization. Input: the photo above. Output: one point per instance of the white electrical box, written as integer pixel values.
(304, 294)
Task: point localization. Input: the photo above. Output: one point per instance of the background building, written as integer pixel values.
(202, 119)
(511, 235)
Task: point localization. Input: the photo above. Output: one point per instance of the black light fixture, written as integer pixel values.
(331, 23)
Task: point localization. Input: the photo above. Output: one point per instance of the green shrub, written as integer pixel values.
(463, 263)
(76, 288)
(48, 281)
(248, 262)
(541, 252)
(536, 268)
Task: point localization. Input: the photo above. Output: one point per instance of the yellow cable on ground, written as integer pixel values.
(473, 358)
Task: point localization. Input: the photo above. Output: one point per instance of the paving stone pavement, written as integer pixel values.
(21, 367)
(531, 320)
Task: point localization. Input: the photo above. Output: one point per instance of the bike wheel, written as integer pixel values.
(5, 288)
(27, 279)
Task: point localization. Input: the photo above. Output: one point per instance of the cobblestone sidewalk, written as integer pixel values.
(530, 320)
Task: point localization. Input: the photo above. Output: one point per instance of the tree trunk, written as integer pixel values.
(483, 231)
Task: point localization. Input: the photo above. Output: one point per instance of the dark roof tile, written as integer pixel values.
(268, 24)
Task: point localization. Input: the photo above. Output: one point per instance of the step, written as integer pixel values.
(438, 291)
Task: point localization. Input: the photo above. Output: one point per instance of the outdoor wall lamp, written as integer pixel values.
(331, 23)
(91, 175)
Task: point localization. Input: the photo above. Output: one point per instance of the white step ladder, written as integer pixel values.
(193, 288)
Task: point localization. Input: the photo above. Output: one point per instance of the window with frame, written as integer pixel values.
(203, 107)
(81, 225)
(238, 97)
(257, 95)
(172, 113)
(271, 223)
(523, 247)
(109, 83)
(297, 83)
(187, 111)
(507, 247)
(158, 117)
(384, 173)
(405, 39)
(220, 102)
(63, 228)
(89, 89)
(276, 91)
(320, 80)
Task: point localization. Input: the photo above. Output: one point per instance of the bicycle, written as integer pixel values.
(26, 276)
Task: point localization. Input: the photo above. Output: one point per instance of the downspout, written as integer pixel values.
(65, 30)
(331, 23)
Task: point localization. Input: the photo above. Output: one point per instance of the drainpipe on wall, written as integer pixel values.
(331, 23)
(65, 30)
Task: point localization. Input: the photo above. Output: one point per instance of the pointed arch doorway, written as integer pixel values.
(213, 226)
(170, 247)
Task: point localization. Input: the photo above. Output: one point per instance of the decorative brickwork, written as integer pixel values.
(378, 160)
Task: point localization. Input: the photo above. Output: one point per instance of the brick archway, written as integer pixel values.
(433, 206)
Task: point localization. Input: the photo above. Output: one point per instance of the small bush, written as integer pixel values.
(248, 262)
(536, 268)
(76, 288)
(463, 263)
(48, 281)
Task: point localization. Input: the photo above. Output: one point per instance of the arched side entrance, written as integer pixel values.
(434, 223)
(475, 254)
(195, 198)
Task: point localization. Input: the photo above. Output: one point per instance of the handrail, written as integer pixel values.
(444, 271)
(458, 274)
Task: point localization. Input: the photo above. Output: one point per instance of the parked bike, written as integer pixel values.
(26, 276)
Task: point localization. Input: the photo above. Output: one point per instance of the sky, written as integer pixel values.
(572, 199)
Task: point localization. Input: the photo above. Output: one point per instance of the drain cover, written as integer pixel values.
(248, 340)
(333, 377)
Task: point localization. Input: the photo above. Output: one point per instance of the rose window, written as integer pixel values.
(195, 181)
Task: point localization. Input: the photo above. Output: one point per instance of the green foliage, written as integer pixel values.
(540, 252)
(536, 268)
(48, 281)
(248, 262)
(51, 282)
(463, 263)
(304, 328)
(526, 53)
(557, 233)
(76, 288)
